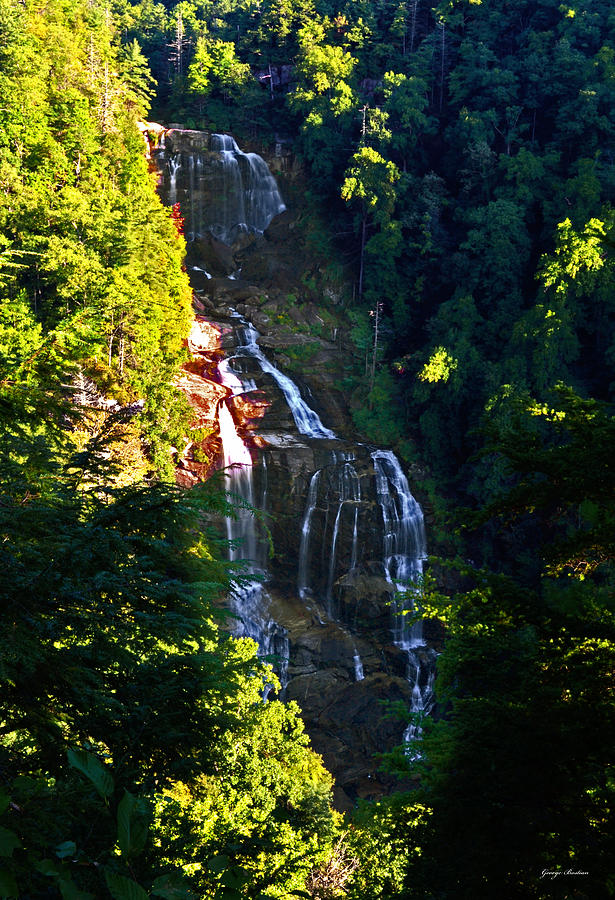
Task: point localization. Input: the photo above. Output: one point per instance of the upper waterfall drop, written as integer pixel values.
(251, 195)
(223, 190)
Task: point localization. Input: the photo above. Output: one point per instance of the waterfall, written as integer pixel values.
(249, 196)
(223, 190)
(174, 165)
(404, 530)
(421, 674)
(342, 490)
(307, 421)
(403, 542)
(303, 586)
(404, 550)
(241, 531)
(358, 666)
(249, 601)
(348, 491)
(359, 514)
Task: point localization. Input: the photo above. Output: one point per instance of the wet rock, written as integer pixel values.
(212, 255)
(182, 140)
(199, 278)
(248, 409)
(348, 726)
(203, 396)
(365, 598)
(243, 240)
(280, 227)
(204, 337)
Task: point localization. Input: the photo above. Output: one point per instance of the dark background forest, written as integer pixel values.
(459, 165)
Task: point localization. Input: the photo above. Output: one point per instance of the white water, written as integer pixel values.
(249, 600)
(307, 421)
(349, 492)
(421, 674)
(341, 491)
(358, 666)
(303, 586)
(405, 549)
(224, 190)
(249, 198)
(199, 269)
(174, 165)
(405, 546)
(336, 488)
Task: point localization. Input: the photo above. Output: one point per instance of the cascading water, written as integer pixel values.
(349, 492)
(224, 190)
(404, 544)
(405, 548)
(304, 547)
(358, 666)
(358, 498)
(331, 491)
(307, 421)
(174, 166)
(404, 530)
(248, 600)
(339, 487)
(421, 674)
(401, 522)
(250, 196)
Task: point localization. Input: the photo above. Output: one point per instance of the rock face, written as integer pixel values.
(222, 191)
(343, 524)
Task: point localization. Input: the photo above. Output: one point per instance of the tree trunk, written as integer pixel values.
(376, 314)
(413, 6)
(442, 61)
(362, 262)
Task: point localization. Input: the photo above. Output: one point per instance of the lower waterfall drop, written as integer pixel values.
(249, 601)
(405, 548)
(358, 666)
(348, 489)
(421, 674)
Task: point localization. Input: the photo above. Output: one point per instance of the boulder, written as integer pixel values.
(212, 255)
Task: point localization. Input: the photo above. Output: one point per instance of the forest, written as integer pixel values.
(459, 166)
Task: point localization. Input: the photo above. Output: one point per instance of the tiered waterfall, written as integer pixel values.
(348, 535)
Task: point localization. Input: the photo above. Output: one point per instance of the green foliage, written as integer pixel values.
(510, 787)
(215, 65)
(96, 263)
(118, 682)
(369, 180)
(379, 837)
(548, 446)
(470, 143)
(265, 816)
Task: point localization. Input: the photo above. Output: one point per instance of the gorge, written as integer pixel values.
(348, 538)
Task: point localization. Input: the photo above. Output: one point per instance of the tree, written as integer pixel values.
(406, 102)
(515, 779)
(369, 180)
(216, 66)
(325, 97)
